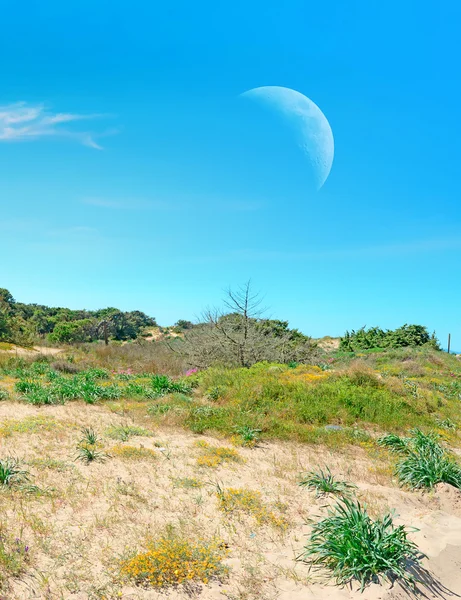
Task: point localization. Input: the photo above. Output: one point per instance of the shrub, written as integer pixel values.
(324, 483)
(407, 335)
(352, 546)
(172, 560)
(424, 461)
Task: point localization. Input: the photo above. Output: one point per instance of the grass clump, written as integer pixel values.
(172, 560)
(88, 447)
(4, 395)
(213, 456)
(324, 483)
(27, 425)
(241, 500)
(350, 545)
(424, 461)
(133, 453)
(124, 432)
(11, 472)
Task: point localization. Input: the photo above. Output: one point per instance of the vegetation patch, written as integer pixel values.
(213, 456)
(133, 453)
(234, 501)
(173, 560)
(325, 483)
(425, 462)
(14, 557)
(28, 425)
(349, 545)
(125, 432)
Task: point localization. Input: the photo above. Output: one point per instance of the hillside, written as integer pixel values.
(214, 459)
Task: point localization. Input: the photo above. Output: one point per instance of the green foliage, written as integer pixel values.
(11, 472)
(424, 462)
(4, 395)
(89, 454)
(249, 435)
(22, 323)
(374, 337)
(324, 483)
(352, 546)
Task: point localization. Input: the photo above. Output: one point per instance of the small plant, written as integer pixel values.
(87, 448)
(124, 432)
(324, 483)
(173, 560)
(424, 462)
(352, 546)
(249, 435)
(4, 395)
(14, 556)
(89, 454)
(11, 472)
(90, 437)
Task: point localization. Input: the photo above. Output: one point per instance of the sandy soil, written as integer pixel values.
(17, 350)
(91, 515)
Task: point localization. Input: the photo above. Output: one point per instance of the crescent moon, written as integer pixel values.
(312, 128)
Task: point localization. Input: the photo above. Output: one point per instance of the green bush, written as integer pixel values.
(374, 337)
(424, 461)
(350, 545)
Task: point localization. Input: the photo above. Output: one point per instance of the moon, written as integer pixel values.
(311, 127)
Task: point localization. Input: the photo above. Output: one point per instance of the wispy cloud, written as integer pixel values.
(129, 203)
(21, 121)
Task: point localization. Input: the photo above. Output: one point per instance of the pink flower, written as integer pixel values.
(191, 372)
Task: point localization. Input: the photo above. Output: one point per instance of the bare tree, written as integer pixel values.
(240, 336)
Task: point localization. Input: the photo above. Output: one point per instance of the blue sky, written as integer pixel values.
(142, 180)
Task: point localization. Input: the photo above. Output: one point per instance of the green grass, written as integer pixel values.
(350, 546)
(324, 483)
(424, 461)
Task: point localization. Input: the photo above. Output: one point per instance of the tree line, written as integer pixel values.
(23, 324)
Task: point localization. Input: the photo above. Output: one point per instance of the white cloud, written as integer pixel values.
(22, 121)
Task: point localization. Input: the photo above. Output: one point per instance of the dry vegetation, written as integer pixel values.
(194, 486)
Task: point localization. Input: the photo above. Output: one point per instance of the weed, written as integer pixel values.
(89, 454)
(90, 437)
(249, 435)
(172, 560)
(4, 395)
(352, 546)
(213, 456)
(14, 557)
(11, 472)
(324, 483)
(133, 453)
(234, 500)
(124, 432)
